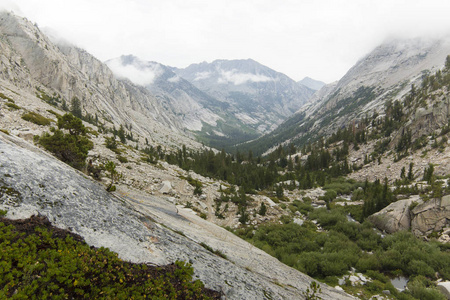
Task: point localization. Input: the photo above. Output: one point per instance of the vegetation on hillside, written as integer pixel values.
(69, 141)
(40, 261)
(328, 255)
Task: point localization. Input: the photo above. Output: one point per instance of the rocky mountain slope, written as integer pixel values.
(162, 211)
(60, 73)
(385, 74)
(184, 100)
(141, 227)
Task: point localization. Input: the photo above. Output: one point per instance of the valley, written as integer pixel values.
(267, 187)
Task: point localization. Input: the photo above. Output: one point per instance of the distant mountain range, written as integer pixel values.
(224, 102)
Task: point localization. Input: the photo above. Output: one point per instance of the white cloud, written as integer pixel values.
(134, 72)
(321, 39)
(240, 78)
(202, 75)
(174, 79)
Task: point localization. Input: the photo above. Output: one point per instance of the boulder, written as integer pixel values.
(298, 221)
(165, 187)
(444, 288)
(431, 216)
(395, 216)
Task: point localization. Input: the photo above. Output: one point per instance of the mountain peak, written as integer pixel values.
(312, 83)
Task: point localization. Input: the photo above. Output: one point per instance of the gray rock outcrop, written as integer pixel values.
(431, 216)
(395, 217)
(32, 62)
(424, 219)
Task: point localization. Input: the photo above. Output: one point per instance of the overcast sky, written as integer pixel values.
(321, 39)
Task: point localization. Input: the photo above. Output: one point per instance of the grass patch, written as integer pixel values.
(216, 252)
(12, 105)
(6, 97)
(122, 159)
(54, 113)
(36, 118)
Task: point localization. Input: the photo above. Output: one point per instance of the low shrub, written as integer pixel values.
(12, 105)
(36, 118)
(40, 261)
(122, 159)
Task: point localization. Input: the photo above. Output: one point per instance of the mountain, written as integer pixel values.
(166, 200)
(237, 102)
(385, 74)
(259, 97)
(184, 99)
(312, 84)
(197, 111)
(140, 227)
(61, 72)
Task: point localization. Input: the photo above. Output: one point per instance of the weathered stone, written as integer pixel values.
(444, 287)
(445, 201)
(394, 217)
(430, 216)
(165, 187)
(298, 221)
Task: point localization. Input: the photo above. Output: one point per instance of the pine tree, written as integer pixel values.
(121, 134)
(75, 108)
(262, 209)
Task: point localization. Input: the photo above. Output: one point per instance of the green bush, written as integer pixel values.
(6, 97)
(73, 147)
(36, 118)
(12, 105)
(43, 262)
(122, 159)
(420, 288)
(110, 143)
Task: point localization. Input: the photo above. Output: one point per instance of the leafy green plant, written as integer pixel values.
(40, 261)
(312, 291)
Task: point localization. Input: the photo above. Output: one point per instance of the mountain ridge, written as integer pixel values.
(246, 99)
(386, 73)
(63, 72)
